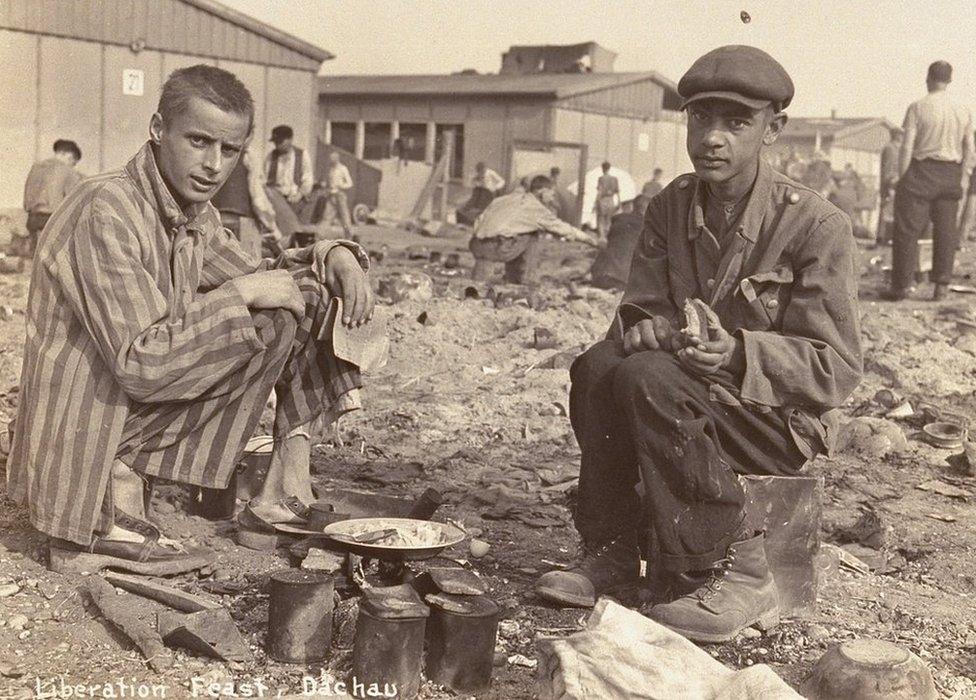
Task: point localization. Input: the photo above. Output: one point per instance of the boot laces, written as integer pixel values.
(587, 551)
(720, 570)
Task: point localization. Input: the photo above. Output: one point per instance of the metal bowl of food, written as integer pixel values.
(396, 539)
(945, 434)
(869, 669)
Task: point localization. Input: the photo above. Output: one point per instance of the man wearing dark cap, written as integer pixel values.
(288, 168)
(936, 151)
(677, 410)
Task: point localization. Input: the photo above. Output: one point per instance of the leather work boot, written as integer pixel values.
(739, 593)
(616, 563)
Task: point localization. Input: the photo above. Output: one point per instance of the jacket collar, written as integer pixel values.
(751, 222)
(148, 180)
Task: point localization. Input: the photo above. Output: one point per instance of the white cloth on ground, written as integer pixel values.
(622, 654)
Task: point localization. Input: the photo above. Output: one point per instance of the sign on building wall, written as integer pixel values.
(133, 81)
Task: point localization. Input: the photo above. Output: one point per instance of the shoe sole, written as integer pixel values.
(565, 599)
(764, 623)
(265, 541)
(64, 561)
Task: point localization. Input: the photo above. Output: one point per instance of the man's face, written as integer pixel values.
(66, 157)
(198, 148)
(546, 195)
(725, 137)
(284, 145)
(334, 158)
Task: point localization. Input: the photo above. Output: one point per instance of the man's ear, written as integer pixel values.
(156, 128)
(774, 128)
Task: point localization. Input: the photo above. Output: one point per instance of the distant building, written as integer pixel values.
(855, 140)
(516, 123)
(92, 70)
(589, 57)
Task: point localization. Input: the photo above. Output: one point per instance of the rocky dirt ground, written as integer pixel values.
(467, 405)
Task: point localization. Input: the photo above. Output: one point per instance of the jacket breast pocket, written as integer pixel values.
(766, 295)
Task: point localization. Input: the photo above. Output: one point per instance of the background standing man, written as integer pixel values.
(654, 185)
(937, 147)
(288, 169)
(889, 179)
(607, 200)
(48, 182)
(338, 184)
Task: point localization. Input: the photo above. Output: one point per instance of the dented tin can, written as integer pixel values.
(300, 615)
(389, 645)
(461, 635)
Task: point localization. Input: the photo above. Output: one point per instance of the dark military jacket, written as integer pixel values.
(785, 284)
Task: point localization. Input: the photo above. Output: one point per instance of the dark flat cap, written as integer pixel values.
(743, 74)
(282, 132)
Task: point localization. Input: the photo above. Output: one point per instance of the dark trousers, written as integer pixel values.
(929, 190)
(644, 418)
(519, 253)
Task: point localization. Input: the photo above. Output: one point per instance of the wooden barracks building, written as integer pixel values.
(547, 105)
(92, 70)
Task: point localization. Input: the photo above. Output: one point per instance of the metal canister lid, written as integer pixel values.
(463, 605)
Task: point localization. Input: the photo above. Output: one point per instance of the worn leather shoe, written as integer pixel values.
(601, 569)
(739, 593)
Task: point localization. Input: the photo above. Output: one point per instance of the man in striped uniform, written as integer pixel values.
(154, 341)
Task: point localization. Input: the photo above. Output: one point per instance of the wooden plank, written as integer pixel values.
(117, 612)
(173, 597)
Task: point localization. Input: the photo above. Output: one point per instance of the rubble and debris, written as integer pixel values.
(121, 615)
(406, 286)
(943, 489)
(210, 632)
(173, 597)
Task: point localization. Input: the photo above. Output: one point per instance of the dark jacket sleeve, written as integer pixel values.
(648, 291)
(815, 360)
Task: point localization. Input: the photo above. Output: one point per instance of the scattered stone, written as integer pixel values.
(751, 633)
(508, 629)
(164, 508)
(9, 669)
(872, 437)
(478, 548)
(817, 633)
(9, 589)
(943, 489)
(18, 622)
(902, 410)
(544, 339)
(323, 560)
(887, 398)
(520, 660)
(404, 286)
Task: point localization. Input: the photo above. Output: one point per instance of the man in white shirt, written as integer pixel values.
(510, 231)
(487, 178)
(338, 183)
(937, 149)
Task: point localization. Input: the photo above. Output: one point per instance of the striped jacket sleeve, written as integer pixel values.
(153, 357)
(226, 260)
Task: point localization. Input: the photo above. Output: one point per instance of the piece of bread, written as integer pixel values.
(696, 319)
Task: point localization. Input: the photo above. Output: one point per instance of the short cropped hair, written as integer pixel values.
(215, 85)
(605, 165)
(539, 182)
(67, 146)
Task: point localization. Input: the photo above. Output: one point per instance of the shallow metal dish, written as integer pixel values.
(343, 533)
(944, 434)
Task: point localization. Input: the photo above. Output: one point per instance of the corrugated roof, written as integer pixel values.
(809, 126)
(554, 85)
(266, 30)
